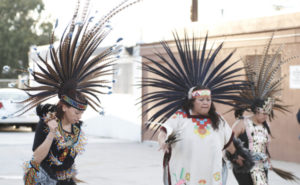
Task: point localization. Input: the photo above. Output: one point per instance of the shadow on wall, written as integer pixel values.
(298, 116)
(298, 119)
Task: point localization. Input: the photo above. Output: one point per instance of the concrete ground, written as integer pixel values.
(106, 161)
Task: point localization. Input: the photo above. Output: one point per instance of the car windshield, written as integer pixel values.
(12, 96)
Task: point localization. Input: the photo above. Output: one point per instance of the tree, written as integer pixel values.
(20, 27)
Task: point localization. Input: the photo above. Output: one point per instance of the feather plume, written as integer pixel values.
(286, 175)
(191, 64)
(71, 65)
(264, 79)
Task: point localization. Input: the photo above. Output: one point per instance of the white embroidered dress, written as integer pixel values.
(259, 140)
(196, 159)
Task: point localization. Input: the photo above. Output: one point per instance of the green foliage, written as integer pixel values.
(19, 29)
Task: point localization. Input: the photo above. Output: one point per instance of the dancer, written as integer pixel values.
(261, 101)
(76, 77)
(193, 135)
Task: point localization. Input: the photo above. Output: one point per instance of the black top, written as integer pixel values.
(59, 158)
(244, 138)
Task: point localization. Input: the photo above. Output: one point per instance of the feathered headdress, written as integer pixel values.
(176, 76)
(265, 81)
(71, 66)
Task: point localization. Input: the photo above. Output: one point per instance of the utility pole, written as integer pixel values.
(194, 11)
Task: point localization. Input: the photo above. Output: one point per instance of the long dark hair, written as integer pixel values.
(75, 95)
(238, 113)
(212, 114)
(258, 103)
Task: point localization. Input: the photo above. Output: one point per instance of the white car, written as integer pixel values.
(8, 106)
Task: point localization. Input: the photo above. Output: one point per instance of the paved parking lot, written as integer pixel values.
(106, 161)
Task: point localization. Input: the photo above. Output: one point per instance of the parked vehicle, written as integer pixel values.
(9, 98)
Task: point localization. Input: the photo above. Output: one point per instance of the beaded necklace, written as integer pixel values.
(68, 138)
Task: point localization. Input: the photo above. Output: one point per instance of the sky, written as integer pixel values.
(151, 20)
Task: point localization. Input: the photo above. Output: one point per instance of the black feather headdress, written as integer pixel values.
(71, 66)
(264, 79)
(175, 75)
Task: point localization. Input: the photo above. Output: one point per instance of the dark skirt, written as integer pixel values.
(66, 182)
(36, 175)
(245, 178)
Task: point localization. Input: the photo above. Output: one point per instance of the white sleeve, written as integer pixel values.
(171, 124)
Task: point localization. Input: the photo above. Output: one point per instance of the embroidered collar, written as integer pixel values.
(70, 138)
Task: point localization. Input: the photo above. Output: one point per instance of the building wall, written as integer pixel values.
(249, 37)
